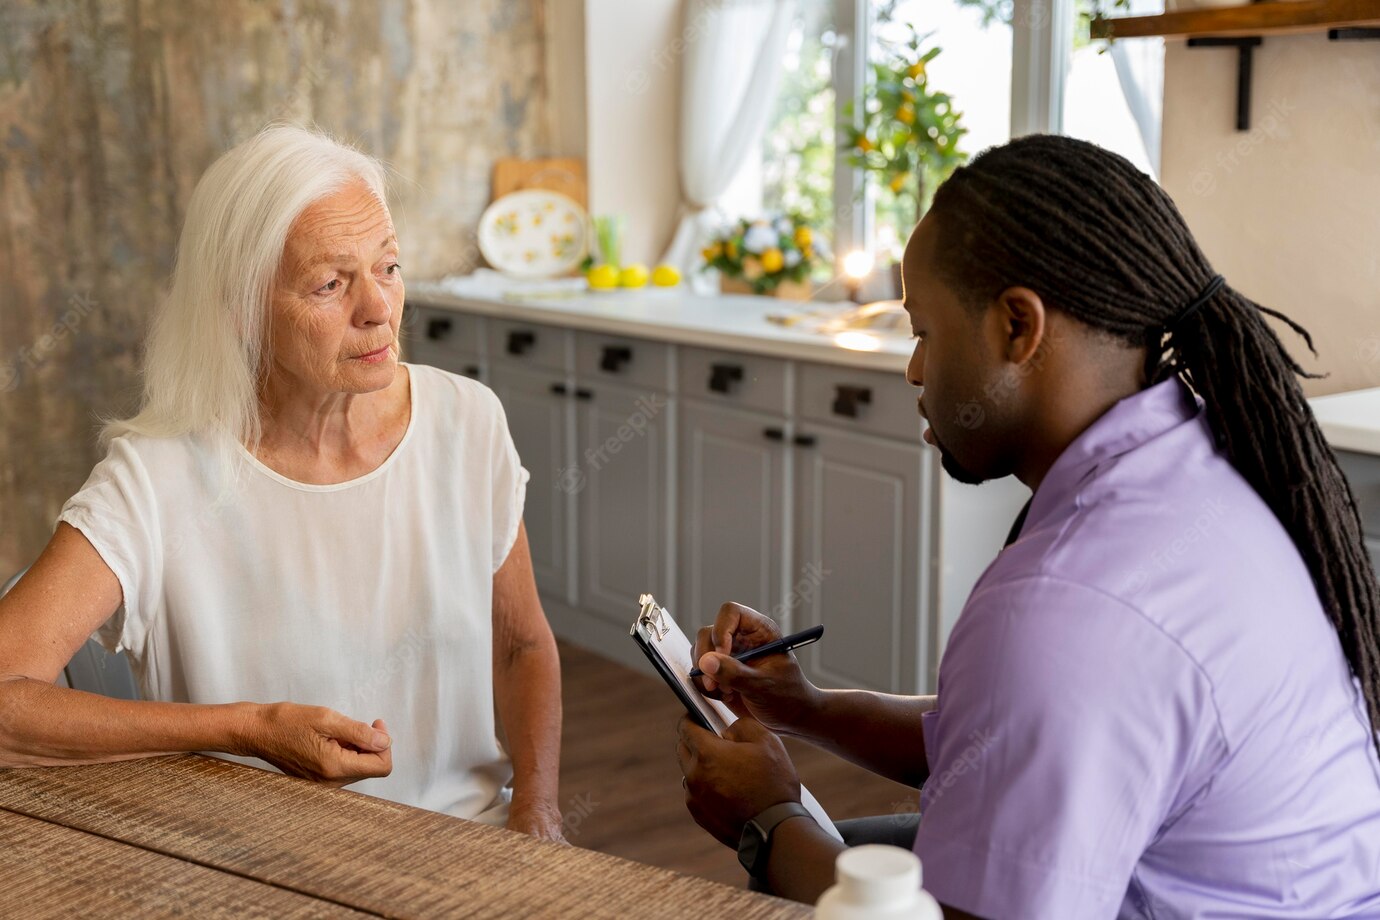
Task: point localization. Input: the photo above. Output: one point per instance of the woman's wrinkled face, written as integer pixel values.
(338, 298)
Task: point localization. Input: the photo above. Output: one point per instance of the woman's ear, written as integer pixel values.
(1021, 318)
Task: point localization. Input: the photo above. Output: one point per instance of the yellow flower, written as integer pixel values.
(711, 252)
(864, 144)
(807, 252)
(803, 236)
(898, 182)
(772, 260)
(907, 95)
(906, 113)
(916, 71)
(730, 249)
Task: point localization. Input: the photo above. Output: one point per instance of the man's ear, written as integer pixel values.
(1021, 321)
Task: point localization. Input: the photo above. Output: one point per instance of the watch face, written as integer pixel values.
(750, 846)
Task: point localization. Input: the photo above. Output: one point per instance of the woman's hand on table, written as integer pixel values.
(317, 743)
(537, 819)
(773, 690)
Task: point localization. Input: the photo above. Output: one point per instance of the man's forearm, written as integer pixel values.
(527, 689)
(880, 732)
(46, 725)
(801, 864)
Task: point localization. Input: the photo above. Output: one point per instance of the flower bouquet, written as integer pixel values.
(768, 256)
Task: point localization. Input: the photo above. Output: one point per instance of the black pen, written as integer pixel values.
(784, 644)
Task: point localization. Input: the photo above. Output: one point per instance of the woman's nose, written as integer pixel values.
(373, 308)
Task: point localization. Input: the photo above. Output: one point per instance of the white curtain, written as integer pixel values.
(729, 75)
(1140, 70)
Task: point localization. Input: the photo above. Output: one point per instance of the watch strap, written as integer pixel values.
(758, 831)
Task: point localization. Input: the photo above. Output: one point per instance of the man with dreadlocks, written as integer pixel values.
(1161, 698)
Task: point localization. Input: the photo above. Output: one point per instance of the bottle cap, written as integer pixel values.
(877, 874)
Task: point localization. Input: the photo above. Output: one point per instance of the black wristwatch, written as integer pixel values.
(754, 847)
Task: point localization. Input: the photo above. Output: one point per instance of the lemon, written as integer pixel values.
(665, 276)
(906, 113)
(603, 277)
(633, 276)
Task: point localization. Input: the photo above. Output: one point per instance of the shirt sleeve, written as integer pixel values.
(509, 485)
(116, 512)
(1067, 724)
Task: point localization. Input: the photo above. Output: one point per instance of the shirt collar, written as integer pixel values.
(1130, 423)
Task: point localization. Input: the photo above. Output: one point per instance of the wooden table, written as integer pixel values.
(192, 835)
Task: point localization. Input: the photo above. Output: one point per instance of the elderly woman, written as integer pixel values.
(296, 515)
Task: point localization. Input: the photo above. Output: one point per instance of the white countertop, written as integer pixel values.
(1351, 421)
(736, 322)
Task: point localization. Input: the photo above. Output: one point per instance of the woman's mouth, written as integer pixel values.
(373, 357)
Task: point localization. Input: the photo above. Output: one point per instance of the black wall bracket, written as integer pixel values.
(1353, 34)
(1245, 46)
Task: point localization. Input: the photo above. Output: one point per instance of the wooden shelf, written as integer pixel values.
(1272, 17)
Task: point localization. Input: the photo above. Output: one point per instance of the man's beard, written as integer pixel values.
(955, 469)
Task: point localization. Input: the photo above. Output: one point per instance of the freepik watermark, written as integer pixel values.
(973, 413)
(1162, 561)
(967, 759)
(1272, 126)
(640, 78)
(29, 357)
(573, 479)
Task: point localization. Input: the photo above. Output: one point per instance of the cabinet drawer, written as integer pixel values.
(1363, 472)
(433, 331)
(870, 401)
(636, 362)
(528, 344)
(733, 378)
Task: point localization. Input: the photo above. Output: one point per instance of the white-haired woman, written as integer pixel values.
(296, 515)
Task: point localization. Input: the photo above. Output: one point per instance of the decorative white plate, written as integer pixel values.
(534, 234)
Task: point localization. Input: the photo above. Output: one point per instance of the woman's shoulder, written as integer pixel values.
(444, 396)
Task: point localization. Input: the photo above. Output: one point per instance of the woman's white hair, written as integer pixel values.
(207, 347)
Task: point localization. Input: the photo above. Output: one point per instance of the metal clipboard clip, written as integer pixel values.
(650, 618)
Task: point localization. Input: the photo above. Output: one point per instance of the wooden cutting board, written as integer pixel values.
(557, 174)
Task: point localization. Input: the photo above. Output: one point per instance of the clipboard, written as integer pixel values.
(672, 657)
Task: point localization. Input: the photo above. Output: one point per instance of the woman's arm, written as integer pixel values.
(527, 689)
(44, 620)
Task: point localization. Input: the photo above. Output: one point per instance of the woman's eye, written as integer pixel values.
(330, 287)
(394, 269)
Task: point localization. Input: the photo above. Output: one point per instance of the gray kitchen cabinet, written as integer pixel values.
(860, 559)
(623, 474)
(441, 338)
(732, 490)
(540, 417)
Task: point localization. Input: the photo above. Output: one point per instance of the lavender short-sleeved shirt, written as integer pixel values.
(1143, 709)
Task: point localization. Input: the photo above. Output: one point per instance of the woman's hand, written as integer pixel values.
(538, 819)
(317, 743)
(773, 690)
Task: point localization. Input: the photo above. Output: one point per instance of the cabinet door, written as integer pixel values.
(623, 475)
(861, 552)
(541, 422)
(732, 512)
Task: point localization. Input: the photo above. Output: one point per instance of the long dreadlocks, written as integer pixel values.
(1098, 239)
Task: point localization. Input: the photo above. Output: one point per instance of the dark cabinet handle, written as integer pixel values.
(583, 394)
(614, 357)
(438, 329)
(774, 434)
(471, 370)
(559, 389)
(520, 342)
(805, 440)
(849, 398)
(722, 376)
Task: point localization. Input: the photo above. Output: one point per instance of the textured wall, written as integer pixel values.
(110, 111)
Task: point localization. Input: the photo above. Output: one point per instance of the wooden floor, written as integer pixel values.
(620, 786)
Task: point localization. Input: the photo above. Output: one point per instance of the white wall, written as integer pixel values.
(1289, 212)
(633, 61)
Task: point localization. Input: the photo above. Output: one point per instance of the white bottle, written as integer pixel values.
(877, 882)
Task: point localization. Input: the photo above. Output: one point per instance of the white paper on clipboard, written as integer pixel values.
(661, 635)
